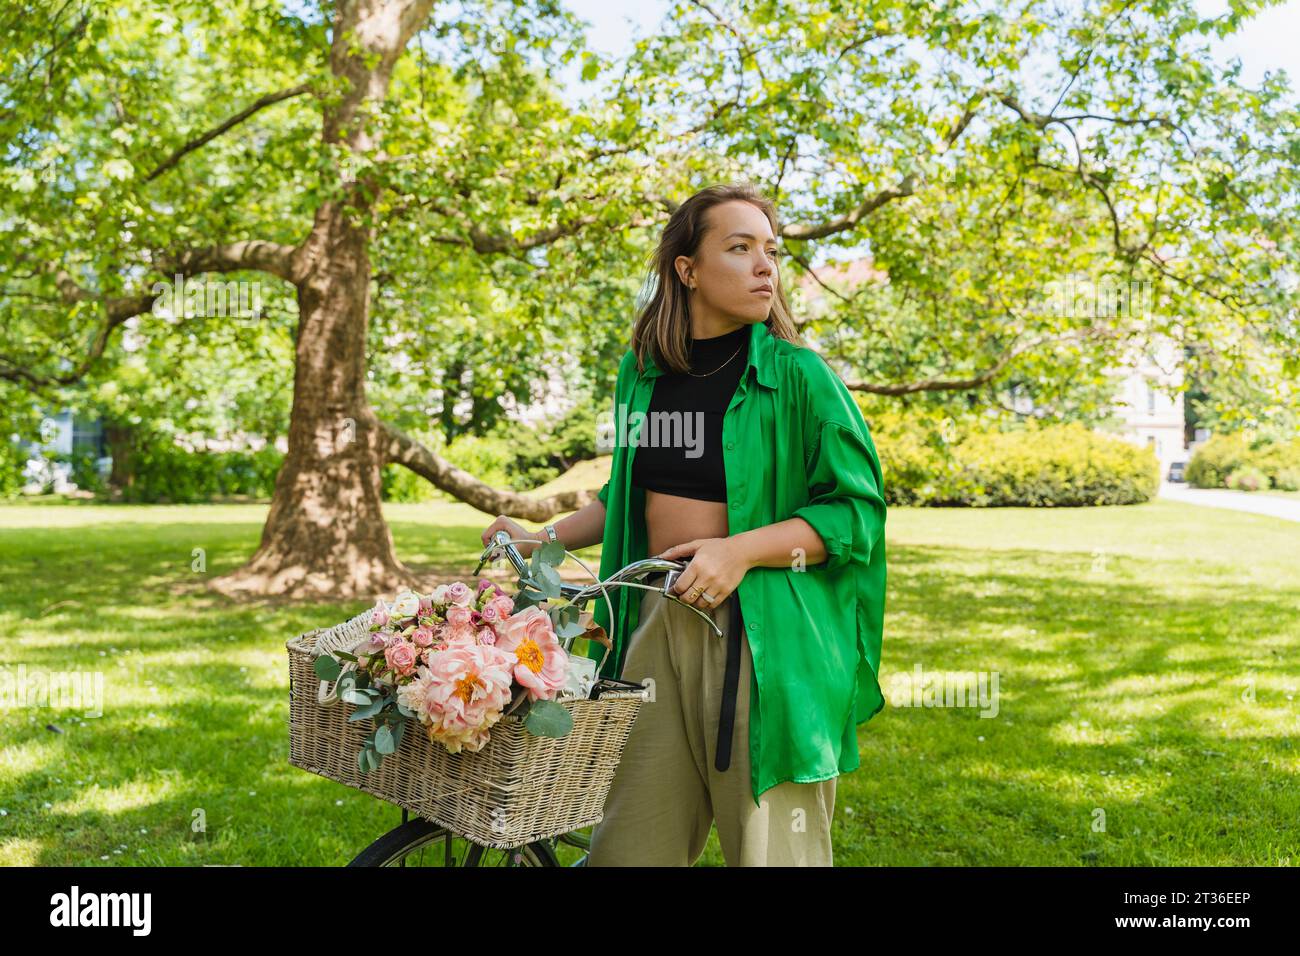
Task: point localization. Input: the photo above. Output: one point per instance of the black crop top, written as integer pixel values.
(680, 449)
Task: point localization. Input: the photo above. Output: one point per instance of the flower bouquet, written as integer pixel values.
(456, 660)
(494, 726)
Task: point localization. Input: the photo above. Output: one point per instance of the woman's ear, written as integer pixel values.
(685, 271)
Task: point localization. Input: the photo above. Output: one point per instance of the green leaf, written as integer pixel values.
(548, 718)
(551, 553)
(384, 742)
(327, 668)
(361, 713)
(549, 581)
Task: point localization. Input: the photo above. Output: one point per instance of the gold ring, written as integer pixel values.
(696, 592)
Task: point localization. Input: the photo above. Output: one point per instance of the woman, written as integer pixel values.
(746, 456)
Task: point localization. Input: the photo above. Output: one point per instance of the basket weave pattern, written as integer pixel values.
(519, 788)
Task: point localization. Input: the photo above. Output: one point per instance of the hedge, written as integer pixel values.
(1038, 466)
(1237, 461)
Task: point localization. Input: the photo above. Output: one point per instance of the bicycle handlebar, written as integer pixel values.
(625, 577)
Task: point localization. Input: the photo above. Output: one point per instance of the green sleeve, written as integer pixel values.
(846, 506)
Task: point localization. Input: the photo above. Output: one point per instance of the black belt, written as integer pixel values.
(730, 679)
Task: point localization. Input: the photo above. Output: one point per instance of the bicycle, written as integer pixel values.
(409, 842)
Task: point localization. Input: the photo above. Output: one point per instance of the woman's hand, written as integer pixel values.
(716, 568)
(515, 530)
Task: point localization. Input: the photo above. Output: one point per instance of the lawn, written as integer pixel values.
(1148, 659)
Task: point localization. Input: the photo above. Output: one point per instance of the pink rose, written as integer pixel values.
(459, 594)
(487, 636)
(504, 604)
(379, 616)
(490, 614)
(401, 657)
(459, 615)
(423, 636)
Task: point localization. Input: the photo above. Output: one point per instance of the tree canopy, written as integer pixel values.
(433, 227)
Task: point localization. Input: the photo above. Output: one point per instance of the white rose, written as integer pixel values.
(439, 595)
(407, 604)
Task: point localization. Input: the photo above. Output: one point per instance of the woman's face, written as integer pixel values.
(736, 257)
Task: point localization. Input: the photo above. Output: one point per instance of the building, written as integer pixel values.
(1147, 412)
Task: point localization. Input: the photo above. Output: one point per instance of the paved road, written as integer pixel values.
(1288, 509)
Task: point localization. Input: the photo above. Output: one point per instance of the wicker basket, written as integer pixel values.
(519, 788)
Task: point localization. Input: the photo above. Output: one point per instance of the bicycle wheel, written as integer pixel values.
(422, 843)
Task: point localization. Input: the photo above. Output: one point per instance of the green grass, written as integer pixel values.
(1147, 659)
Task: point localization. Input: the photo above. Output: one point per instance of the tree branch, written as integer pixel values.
(254, 254)
(199, 141)
(401, 449)
(270, 257)
(963, 384)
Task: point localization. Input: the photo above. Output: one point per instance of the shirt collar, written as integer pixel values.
(761, 351)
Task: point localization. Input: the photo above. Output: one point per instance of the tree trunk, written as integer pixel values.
(121, 448)
(325, 536)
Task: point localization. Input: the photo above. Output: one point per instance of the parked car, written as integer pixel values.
(1176, 471)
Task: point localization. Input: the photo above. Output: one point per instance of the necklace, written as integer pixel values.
(720, 367)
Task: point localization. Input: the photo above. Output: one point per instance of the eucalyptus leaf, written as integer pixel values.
(369, 710)
(327, 668)
(550, 581)
(548, 718)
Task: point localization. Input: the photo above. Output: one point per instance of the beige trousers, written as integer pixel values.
(667, 791)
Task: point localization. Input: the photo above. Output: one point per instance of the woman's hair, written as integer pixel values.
(663, 325)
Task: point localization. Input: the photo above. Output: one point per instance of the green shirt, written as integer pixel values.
(794, 443)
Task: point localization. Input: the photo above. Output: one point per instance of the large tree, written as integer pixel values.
(361, 159)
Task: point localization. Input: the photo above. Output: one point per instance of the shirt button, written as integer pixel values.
(753, 627)
(735, 505)
(730, 445)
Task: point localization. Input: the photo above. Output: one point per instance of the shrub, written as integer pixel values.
(1288, 479)
(163, 472)
(1223, 455)
(1247, 478)
(402, 484)
(13, 459)
(1040, 465)
(1216, 459)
